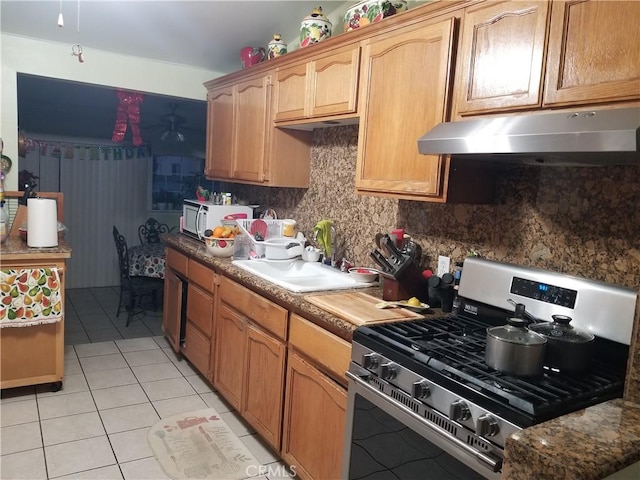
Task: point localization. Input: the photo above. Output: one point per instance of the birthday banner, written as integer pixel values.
(69, 151)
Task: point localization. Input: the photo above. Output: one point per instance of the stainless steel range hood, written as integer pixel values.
(595, 137)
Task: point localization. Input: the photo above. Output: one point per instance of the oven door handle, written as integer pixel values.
(493, 463)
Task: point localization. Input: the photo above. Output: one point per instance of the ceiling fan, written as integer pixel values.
(172, 122)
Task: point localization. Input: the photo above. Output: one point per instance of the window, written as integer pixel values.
(175, 178)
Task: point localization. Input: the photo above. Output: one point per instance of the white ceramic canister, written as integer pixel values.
(314, 28)
(371, 11)
(276, 47)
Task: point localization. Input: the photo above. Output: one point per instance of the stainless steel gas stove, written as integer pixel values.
(424, 404)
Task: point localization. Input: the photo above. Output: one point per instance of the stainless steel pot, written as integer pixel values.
(515, 350)
(568, 348)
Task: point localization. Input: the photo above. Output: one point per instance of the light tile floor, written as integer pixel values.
(118, 382)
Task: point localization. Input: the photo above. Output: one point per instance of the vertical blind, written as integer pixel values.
(100, 191)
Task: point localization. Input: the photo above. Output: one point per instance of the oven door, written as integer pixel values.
(386, 440)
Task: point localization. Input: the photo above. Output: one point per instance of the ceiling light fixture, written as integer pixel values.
(172, 135)
(76, 50)
(60, 17)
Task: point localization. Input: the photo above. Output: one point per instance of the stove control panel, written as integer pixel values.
(459, 411)
(487, 426)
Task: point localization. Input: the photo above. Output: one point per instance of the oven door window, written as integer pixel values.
(383, 448)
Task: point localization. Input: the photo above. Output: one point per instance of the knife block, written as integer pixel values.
(409, 283)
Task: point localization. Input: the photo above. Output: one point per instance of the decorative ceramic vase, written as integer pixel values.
(252, 55)
(276, 47)
(371, 11)
(314, 28)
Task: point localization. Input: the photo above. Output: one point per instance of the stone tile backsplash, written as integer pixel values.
(582, 221)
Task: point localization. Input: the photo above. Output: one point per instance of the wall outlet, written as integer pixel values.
(444, 265)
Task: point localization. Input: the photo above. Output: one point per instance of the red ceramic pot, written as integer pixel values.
(252, 55)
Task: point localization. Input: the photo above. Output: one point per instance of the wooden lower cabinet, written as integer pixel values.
(264, 384)
(249, 357)
(229, 354)
(314, 420)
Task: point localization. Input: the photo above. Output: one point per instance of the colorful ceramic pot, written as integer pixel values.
(314, 28)
(252, 55)
(276, 47)
(371, 11)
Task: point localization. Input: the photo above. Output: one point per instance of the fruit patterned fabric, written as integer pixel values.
(30, 297)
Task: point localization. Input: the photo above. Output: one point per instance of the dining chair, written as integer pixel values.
(149, 232)
(133, 288)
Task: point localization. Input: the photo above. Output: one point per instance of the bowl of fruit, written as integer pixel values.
(364, 275)
(219, 241)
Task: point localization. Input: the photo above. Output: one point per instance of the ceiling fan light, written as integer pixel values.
(172, 136)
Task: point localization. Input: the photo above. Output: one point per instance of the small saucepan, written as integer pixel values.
(568, 348)
(515, 350)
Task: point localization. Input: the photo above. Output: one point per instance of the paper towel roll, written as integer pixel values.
(42, 222)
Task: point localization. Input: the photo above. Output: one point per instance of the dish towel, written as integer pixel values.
(30, 297)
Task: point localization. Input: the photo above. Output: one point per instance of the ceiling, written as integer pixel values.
(203, 34)
(206, 34)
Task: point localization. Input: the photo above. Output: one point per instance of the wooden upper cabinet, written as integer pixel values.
(220, 131)
(250, 141)
(403, 94)
(320, 87)
(291, 93)
(594, 52)
(501, 56)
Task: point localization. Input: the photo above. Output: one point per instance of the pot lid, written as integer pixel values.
(515, 332)
(560, 329)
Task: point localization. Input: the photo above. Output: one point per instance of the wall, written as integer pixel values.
(50, 59)
(580, 221)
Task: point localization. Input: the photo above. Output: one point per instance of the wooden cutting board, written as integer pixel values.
(359, 308)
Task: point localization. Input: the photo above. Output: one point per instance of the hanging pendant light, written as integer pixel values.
(60, 17)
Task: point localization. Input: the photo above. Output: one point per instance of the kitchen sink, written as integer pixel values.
(300, 276)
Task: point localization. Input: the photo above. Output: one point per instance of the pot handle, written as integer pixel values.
(521, 312)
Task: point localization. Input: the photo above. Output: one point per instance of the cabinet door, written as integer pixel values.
(501, 56)
(594, 52)
(220, 131)
(264, 384)
(172, 309)
(291, 93)
(252, 110)
(229, 354)
(197, 348)
(333, 82)
(404, 93)
(314, 421)
(200, 309)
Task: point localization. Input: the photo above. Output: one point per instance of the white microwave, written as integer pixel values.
(199, 216)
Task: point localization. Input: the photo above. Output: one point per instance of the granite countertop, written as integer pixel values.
(588, 444)
(15, 248)
(295, 302)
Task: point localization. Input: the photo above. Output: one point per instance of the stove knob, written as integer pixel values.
(487, 426)
(370, 361)
(421, 389)
(459, 411)
(388, 371)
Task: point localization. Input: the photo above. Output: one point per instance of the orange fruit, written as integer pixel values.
(217, 232)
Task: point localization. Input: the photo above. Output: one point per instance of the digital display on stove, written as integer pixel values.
(544, 292)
